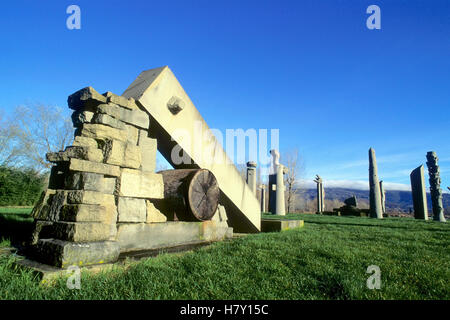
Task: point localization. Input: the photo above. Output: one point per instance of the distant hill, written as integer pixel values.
(396, 201)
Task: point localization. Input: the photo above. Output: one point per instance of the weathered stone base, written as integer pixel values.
(49, 274)
(271, 225)
(63, 254)
(143, 236)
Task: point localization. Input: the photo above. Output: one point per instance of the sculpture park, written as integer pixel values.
(157, 182)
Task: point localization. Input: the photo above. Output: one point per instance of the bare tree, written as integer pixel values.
(8, 141)
(38, 130)
(294, 169)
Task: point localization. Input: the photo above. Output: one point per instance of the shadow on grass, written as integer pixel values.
(15, 228)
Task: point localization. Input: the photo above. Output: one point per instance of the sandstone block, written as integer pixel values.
(107, 120)
(85, 142)
(100, 131)
(90, 182)
(153, 214)
(42, 203)
(134, 117)
(82, 231)
(80, 117)
(85, 98)
(94, 167)
(57, 175)
(132, 134)
(125, 155)
(90, 197)
(63, 254)
(78, 152)
(138, 184)
(121, 101)
(85, 213)
(41, 230)
(148, 148)
(131, 210)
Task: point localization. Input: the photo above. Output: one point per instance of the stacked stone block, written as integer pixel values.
(105, 178)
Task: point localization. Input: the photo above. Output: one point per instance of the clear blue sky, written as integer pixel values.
(310, 68)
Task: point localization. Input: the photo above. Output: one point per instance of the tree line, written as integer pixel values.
(26, 135)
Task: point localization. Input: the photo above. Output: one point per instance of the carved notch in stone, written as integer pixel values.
(175, 105)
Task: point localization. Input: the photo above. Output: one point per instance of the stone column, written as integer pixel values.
(323, 197)
(280, 208)
(419, 194)
(263, 197)
(376, 210)
(320, 205)
(383, 197)
(435, 186)
(272, 192)
(251, 176)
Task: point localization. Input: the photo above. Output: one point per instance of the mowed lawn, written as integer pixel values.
(327, 259)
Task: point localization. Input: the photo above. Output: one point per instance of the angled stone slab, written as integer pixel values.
(173, 118)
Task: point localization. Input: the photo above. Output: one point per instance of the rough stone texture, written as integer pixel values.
(142, 236)
(270, 225)
(42, 203)
(152, 90)
(134, 117)
(90, 197)
(42, 229)
(121, 101)
(94, 167)
(132, 134)
(137, 184)
(90, 182)
(148, 147)
(107, 120)
(376, 210)
(383, 197)
(81, 117)
(51, 210)
(125, 155)
(85, 98)
(85, 142)
(419, 193)
(101, 131)
(58, 175)
(131, 210)
(435, 186)
(63, 254)
(85, 213)
(153, 214)
(82, 231)
(77, 152)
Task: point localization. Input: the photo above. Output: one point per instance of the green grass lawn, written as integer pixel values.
(15, 225)
(327, 259)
